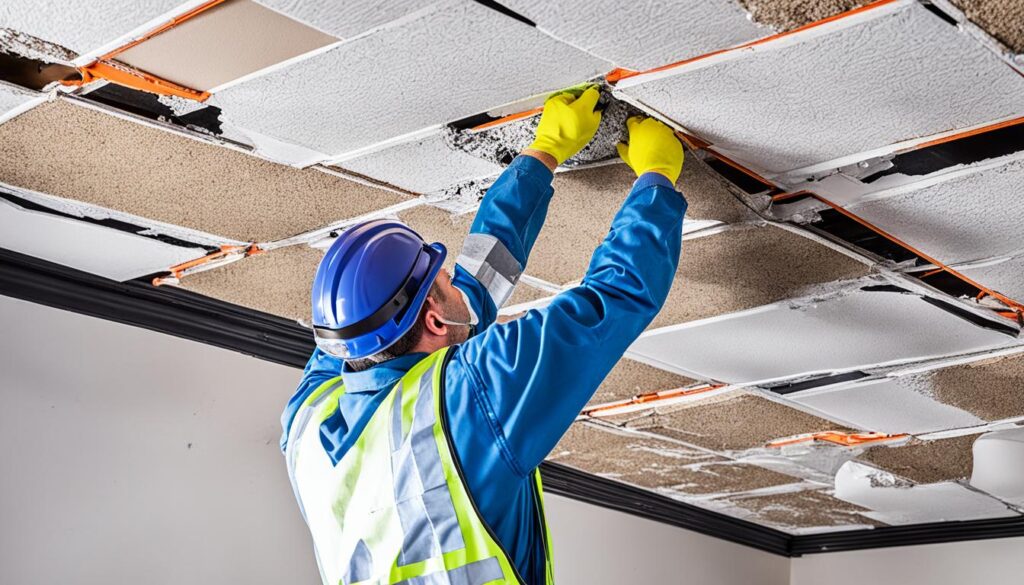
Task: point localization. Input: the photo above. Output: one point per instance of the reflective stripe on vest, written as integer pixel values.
(394, 510)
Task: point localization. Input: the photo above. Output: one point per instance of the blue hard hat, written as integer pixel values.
(370, 286)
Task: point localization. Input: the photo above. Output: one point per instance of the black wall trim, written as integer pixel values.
(191, 316)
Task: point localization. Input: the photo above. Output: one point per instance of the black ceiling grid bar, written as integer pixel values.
(192, 316)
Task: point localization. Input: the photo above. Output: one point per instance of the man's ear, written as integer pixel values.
(432, 318)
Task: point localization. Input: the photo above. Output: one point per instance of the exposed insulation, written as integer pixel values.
(785, 15)
(732, 422)
(631, 458)
(926, 461)
(81, 25)
(990, 389)
(846, 330)
(630, 378)
(805, 509)
(89, 156)
(727, 478)
(425, 165)
(969, 217)
(487, 58)
(228, 41)
(348, 19)
(1005, 277)
(912, 73)
(1001, 19)
(277, 282)
(745, 268)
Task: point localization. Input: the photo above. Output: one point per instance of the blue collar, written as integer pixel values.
(382, 376)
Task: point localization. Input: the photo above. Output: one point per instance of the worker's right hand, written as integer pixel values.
(567, 124)
(653, 148)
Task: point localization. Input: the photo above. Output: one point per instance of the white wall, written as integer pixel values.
(98, 483)
(988, 562)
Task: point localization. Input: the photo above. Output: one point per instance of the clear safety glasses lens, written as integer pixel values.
(335, 347)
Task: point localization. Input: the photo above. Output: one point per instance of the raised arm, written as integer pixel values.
(536, 373)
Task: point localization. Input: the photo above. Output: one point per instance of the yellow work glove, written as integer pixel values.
(653, 147)
(567, 124)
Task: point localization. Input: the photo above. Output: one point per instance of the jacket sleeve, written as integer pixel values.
(503, 233)
(533, 375)
(320, 368)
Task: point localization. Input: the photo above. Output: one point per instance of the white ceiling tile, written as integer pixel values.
(350, 18)
(1005, 277)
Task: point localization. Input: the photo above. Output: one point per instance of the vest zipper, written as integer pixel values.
(458, 468)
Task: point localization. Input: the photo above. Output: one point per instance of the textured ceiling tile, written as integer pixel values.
(89, 156)
(221, 44)
(437, 225)
(425, 165)
(972, 216)
(805, 509)
(726, 478)
(733, 422)
(1005, 277)
(785, 15)
(786, 104)
(276, 282)
(853, 329)
(744, 268)
(630, 378)
(627, 457)
(81, 25)
(445, 64)
(991, 389)
(1001, 19)
(926, 461)
(644, 34)
(889, 405)
(348, 19)
(12, 96)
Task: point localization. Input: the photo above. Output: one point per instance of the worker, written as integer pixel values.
(414, 439)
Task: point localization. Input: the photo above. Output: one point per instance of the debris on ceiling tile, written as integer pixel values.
(734, 421)
(646, 34)
(998, 18)
(806, 509)
(82, 154)
(786, 15)
(276, 282)
(760, 105)
(630, 378)
(222, 44)
(298, 104)
(862, 324)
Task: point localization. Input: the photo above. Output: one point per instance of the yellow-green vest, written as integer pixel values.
(395, 509)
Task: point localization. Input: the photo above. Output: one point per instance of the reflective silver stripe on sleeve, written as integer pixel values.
(478, 573)
(490, 262)
(360, 566)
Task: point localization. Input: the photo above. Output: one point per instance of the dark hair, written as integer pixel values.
(405, 343)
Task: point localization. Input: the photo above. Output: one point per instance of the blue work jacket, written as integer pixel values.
(513, 389)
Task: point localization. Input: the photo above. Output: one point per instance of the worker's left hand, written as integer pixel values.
(567, 124)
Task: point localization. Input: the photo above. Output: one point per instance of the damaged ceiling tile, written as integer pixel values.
(990, 389)
(913, 74)
(424, 165)
(807, 509)
(348, 19)
(926, 461)
(850, 328)
(631, 378)
(893, 501)
(646, 34)
(276, 282)
(892, 405)
(733, 421)
(623, 456)
(83, 25)
(1005, 276)
(332, 102)
(88, 246)
(968, 215)
(786, 15)
(747, 267)
(86, 155)
(726, 477)
(1003, 20)
(221, 44)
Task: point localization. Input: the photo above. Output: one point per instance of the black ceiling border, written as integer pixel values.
(195, 317)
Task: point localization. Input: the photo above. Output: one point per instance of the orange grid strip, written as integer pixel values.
(648, 398)
(179, 270)
(838, 438)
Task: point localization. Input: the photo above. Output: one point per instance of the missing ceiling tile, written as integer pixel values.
(34, 74)
(203, 118)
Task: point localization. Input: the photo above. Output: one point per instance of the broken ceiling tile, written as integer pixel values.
(889, 405)
(803, 510)
(990, 389)
(276, 282)
(348, 19)
(224, 43)
(645, 34)
(896, 502)
(1005, 276)
(83, 25)
(424, 165)
(747, 267)
(88, 246)
(926, 461)
(86, 155)
(14, 98)
(733, 421)
(1000, 19)
(19, 44)
(440, 65)
(997, 468)
(764, 105)
(624, 456)
(726, 477)
(967, 215)
(631, 378)
(851, 328)
(786, 15)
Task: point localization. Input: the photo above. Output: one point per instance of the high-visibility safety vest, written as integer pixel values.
(395, 509)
